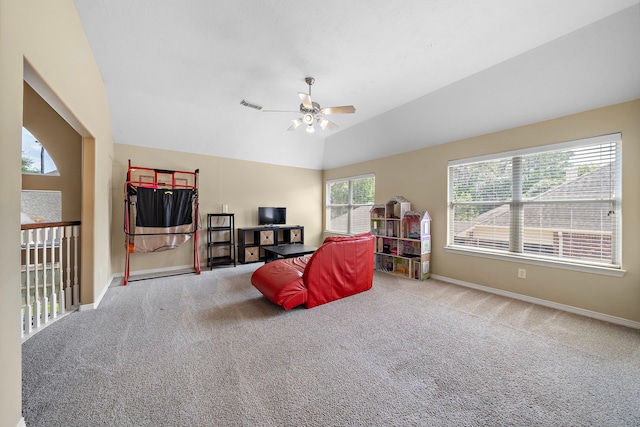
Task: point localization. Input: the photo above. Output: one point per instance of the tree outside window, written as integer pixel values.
(35, 158)
(349, 201)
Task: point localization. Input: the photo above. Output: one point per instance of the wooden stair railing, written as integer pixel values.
(49, 273)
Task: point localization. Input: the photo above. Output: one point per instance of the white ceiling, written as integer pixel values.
(419, 72)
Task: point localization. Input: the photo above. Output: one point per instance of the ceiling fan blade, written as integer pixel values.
(294, 124)
(306, 100)
(280, 111)
(345, 109)
(251, 104)
(327, 124)
(331, 125)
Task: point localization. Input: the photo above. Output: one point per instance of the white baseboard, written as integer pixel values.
(21, 423)
(538, 301)
(96, 303)
(86, 307)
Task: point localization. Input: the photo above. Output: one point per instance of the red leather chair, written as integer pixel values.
(341, 267)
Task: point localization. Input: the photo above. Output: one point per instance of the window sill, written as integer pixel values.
(337, 233)
(607, 271)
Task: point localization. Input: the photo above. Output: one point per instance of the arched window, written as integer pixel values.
(35, 158)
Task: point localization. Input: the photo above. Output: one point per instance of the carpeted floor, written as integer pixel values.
(209, 350)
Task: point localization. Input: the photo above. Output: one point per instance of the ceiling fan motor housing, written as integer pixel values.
(314, 110)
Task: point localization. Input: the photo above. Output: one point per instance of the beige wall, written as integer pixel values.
(10, 135)
(64, 145)
(59, 54)
(421, 177)
(241, 185)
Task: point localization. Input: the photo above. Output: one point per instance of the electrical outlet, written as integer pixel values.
(522, 273)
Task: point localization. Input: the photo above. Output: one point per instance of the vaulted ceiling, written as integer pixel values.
(419, 72)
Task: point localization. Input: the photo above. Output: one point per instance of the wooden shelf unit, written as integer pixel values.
(251, 241)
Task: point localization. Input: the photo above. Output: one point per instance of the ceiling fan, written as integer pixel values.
(311, 111)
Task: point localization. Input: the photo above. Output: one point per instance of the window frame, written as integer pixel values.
(350, 205)
(613, 269)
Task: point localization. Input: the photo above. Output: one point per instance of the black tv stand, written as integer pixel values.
(252, 241)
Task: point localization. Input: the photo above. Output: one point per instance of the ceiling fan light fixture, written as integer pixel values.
(308, 119)
(310, 128)
(323, 123)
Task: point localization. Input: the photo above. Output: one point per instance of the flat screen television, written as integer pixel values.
(272, 216)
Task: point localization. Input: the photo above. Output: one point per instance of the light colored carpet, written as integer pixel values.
(210, 350)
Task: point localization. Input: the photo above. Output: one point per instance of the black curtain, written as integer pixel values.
(164, 207)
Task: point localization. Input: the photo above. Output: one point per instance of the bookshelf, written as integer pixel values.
(220, 244)
(403, 239)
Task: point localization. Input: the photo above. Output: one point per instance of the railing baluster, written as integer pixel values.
(68, 271)
(36, 297)
(76, 283)
(28, 309)
(54, 296)
(60, 267)
(23, 306)
(45, 295)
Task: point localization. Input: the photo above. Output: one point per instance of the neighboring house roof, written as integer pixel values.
(595, 184)
(360, 219)
(28, 219)
(41, 206)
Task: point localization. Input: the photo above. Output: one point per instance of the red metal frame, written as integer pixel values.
(157, 182)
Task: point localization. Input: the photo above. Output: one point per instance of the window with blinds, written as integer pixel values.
(348, 202)
(560, 202)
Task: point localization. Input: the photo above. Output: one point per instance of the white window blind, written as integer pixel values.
(560, 201)
(349, 201)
